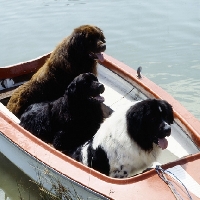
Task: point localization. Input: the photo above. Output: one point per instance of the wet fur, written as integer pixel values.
(69, 59)
(70, 120)
(125, 142)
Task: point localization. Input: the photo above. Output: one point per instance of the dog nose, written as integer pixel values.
(101, 88)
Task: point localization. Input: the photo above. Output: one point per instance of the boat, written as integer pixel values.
(175, 175)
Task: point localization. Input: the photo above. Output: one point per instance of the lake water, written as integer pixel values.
(14, 184)
(162, 37)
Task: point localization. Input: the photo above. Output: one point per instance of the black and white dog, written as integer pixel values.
(70, 120)
(129, 140)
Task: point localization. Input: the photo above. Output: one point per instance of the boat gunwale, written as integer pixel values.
(12, 71)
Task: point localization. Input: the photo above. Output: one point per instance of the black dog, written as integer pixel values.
(129, 140)
(70, 120)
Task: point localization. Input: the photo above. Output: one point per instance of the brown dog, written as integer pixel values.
(76, 54)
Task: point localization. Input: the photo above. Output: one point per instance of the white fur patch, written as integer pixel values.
(125, 156)
(84, 154)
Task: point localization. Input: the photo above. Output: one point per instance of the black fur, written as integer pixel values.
(70, 120)
(97, 158)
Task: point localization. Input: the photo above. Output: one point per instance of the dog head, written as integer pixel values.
(89, 40)
(86, 87)
(149, 122)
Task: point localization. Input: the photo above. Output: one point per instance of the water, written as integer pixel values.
(14, 184)
(162, 37)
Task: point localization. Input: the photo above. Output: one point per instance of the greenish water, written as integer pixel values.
(160, 36)
(14, 184)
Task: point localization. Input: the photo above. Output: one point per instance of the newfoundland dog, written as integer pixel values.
(83, 46)
(129, 140)
(70, 120)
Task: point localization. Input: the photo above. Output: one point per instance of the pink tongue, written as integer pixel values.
(163, 143)
(100, 57)
(99, 98)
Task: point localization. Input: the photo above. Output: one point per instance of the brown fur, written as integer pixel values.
(73, 56)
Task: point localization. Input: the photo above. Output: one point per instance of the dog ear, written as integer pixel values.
(136, 125)
(134, 121)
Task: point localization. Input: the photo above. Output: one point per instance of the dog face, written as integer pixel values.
(149, 122)
(86, 87)
(90, 40)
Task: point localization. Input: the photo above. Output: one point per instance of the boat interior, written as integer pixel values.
(118, 92)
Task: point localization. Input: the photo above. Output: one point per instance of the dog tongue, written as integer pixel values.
(163, 143)
(100, 98)
(100, 57)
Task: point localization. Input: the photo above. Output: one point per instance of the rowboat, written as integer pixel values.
(176, 174)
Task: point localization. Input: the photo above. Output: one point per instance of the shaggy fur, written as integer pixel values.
(76, 54)
(129, 140)
(70, 120)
